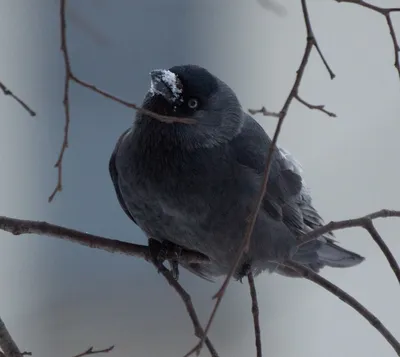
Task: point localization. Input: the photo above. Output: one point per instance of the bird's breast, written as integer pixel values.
(192, 198)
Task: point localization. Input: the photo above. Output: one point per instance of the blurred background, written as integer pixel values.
(59, 298)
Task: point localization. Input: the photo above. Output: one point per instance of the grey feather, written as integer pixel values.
(195, 185)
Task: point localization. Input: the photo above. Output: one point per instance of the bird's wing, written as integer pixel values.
(114, 176)
(311, 217)
(287, 198)
(251, 148)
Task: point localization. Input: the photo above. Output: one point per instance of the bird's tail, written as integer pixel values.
(320, 253)
(334, 256)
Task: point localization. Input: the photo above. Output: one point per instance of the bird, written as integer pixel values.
(193, 186)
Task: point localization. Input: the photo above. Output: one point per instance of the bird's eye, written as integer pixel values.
(193, 103)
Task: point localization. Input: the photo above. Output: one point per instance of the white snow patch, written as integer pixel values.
(172, 80)
(296, 166)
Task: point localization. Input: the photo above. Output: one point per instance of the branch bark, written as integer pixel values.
(7, 92)
(20, 226)
(7, 343)
(256, 314)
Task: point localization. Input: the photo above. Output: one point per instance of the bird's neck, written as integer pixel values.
(151, 133)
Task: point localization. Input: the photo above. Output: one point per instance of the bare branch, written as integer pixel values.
(187, 300)
(7, 343)
(366, 223)
(92, 351)
(67, 78)
(264, 112)
(349, 300)
(255, 313)
(162, 118)
(71, 77)
(311, 42)
(321, 108)
(6, 91)
(311, 38)
(20, 226)
(386, 13)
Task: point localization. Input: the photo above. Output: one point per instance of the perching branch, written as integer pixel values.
(311, 43)
(386, 13)
(71, 77)
(6, 91)
(20, 226)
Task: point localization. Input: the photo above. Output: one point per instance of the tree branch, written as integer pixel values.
(92, 351)
(366, 223)
(71, 77)
(7, 343)
(6, 92)
(348, 299)
(386, 13)
(187, 300)
(255, 313)
(321, 108)
(20, 226)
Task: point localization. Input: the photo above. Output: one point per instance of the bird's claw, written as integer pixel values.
(243, 271)
(174, 269)
(161, 251)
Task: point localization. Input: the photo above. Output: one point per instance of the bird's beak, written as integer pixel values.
(167, 84)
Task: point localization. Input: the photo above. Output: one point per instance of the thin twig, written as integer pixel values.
(187, 300)
(255, 313)
(386, 13)
(366, 223)
(311, 42)
(71, 77)
(19, 226)
(349, 300)
(321, 108)
(7, 343)
(6, 91)
(264, 112)
(67, 78)
(92, 351)
(162, 118)
(311, 38)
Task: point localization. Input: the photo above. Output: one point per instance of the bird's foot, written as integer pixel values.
(174, 268)
(243, 271)
(165, 250)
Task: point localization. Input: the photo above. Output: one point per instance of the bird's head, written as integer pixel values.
(190, 91)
